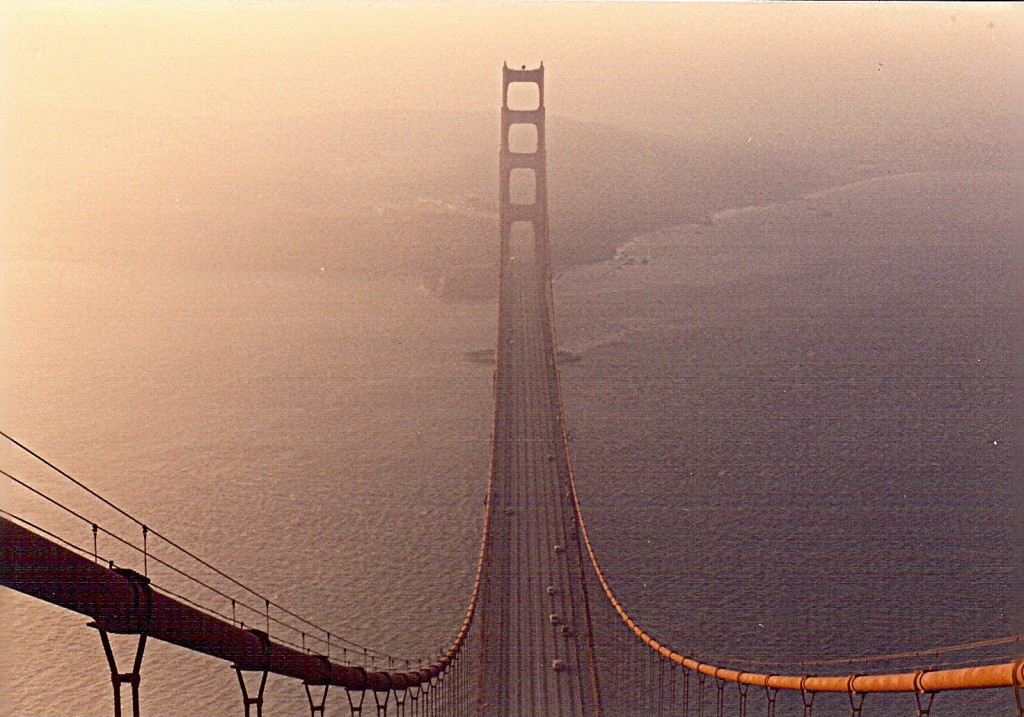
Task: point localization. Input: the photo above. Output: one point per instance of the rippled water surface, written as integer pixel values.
(791, 428)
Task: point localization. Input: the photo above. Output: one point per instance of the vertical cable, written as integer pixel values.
(672, 689)
(701, 679)
(686, 691)
(661, 687)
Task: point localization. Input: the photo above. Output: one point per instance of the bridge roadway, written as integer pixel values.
(533, 604)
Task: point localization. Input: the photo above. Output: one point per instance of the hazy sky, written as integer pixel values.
(706, 71)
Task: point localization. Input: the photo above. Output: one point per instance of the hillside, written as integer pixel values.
(383, 192)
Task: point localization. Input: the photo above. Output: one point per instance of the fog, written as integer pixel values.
(169, 121)
(249, 258)
(710, 71)
(804, 74)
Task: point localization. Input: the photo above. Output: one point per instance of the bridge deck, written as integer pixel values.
(532, 513)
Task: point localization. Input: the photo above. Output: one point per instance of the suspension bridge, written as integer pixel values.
(544, 634)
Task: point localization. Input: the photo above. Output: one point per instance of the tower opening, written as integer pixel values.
(523, 96)
(521, 243)
(523, 186)
(522, 138)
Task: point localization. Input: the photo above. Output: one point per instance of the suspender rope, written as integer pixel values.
(701, 679)
(856, 698)
(808, 697)
(720, 701)
(661, 687)
(686, 692)
(672, 688)
(742, 688)
(924, 706)
(382, 707)
(355, 708)
(770, 693)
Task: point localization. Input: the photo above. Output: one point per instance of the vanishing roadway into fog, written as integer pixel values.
(532, 513)
(536, 638)
(526, 645)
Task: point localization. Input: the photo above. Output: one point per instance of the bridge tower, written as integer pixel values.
(537, 652)
(537, 212)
